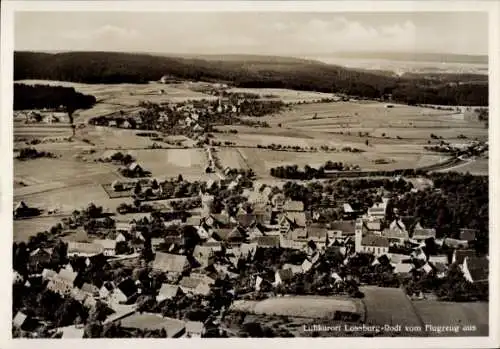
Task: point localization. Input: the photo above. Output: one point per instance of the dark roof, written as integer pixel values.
(127, 287)
(375, 240)
(409, 222)
(346, 227)
(316, 231)
(268, 241)
(220, 219)
(245, 220)
(468, 234)
(478, 268)
(461, 254)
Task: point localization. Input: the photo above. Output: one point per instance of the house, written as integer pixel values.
(40, 256)
(426, 268)
(438, 259)
(306, 265)
(167, 292)
(268, 241)
(374, 244)
(84, 249)
(396, 236)
(108, 246)
(193, 285)
(246, 220)
(454, 243)
(18, 278)
(295, 269)
(341, 229)
(63, 282)
(422, 234)
(204, 255)
(135, 168)
(476, 269)
(293, 206)
(468, 234)
(255, 232)
(124, 227)
(195, 329)
(402, 268)
(460, 255)
(440, 269)
(397, 225)
(170, 263)
(106, 289)
(90, 290)
(317, 233)
(291, 220)
(281, 276)
(379, 209)
(278, 202)
(156, 243)
(124, 292)
(248, 250)
(174, 328)
(20, 321)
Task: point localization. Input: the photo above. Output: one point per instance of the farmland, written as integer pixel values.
(316, 307)
(388, 138)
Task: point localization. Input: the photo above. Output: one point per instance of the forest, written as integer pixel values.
(50, 97)
(108, 67)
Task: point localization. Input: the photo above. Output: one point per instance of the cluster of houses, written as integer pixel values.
(273, 222)
(186, 115)
(41, 116)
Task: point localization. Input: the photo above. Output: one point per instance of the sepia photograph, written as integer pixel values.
(249, 174)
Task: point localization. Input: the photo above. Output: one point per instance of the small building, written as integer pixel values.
(39, 257)
(281, 276)
(170, 263)
(196, 286)
(379, 209)
(124, 292)
(63, 282)
(268, 241)
(293, 206)
(422, 234)
(167, 292)
(108, 246)
(374, 244)
(195, 329)
(84, 249)
(278, 202)
(204, 255)
(468, 234)
(476, 269)
(459, 256)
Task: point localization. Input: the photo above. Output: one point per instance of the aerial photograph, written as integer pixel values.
(250, 174)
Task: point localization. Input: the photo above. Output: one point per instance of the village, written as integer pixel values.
(182, 273)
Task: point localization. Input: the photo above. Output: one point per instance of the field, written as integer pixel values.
(168, 163)
(287, 96)
(479, 167)
(25, 228)
(317, 307)
(112, 98)
(398, 135)
(447, 313)
(262, 160)
(388, 306)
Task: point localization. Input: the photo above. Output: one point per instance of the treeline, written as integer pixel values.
(51, 97)
(107, 67)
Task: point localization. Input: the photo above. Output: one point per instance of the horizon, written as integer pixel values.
(254, 33)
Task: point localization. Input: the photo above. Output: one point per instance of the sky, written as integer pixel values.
(277, 33)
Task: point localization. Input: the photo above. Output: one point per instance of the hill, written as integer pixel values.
(296, 74)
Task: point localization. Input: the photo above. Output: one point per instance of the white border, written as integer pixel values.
(7, 11)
